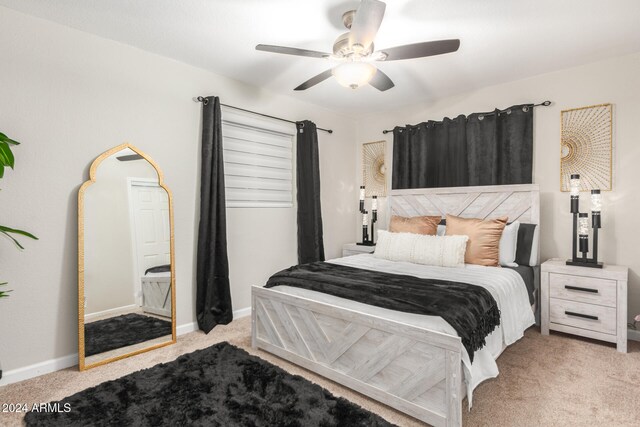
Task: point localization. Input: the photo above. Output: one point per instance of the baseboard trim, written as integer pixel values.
(37, 369)
(633, 334)
(112, 311)
(52, 365)
(186, 328)
(192, 327)
(243, 312)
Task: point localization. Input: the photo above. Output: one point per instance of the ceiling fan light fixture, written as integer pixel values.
(354, 74)
(355, 51)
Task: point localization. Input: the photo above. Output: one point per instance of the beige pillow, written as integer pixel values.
(483, 247)
(427, 225)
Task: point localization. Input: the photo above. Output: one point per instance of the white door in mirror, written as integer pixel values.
(151, 225)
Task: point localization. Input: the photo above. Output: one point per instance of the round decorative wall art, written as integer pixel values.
(586, 147)
(374, 169)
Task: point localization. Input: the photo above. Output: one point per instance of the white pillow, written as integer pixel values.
(443, 251)
(509, 245)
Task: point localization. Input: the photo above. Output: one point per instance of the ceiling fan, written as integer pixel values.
(355, 52)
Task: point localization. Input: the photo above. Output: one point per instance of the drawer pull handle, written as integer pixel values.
(586, 316)
(578, 288)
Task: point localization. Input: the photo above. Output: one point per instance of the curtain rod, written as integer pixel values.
(543, 104)
(205, 102)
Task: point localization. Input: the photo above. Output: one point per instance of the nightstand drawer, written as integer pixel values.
(580, 315)
(583, 289)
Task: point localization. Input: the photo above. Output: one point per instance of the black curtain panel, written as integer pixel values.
(481, 149)
(310, 241)
(482, 157)
(213, 295)
(515, 145)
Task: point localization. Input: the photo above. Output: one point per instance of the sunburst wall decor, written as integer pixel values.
(586, 147)
(374, 169)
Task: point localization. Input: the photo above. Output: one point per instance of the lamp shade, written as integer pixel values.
(574, 184)
(583, 224)
(596, 201)
(354, 74)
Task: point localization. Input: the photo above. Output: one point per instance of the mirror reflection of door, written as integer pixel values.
(149, 219)
(127, 259)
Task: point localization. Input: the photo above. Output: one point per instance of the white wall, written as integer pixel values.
(69, 96)
(615, 81)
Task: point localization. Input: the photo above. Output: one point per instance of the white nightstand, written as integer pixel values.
(590, 302)
(354, 249)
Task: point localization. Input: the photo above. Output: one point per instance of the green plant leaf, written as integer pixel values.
(6, 156)
(16, 231)
(12, 238)
(1, 170)
(5, 138)
(4, 293)
(6, 231)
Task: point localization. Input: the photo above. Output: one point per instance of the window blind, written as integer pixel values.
(258, 165)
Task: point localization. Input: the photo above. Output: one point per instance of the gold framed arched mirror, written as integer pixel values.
(126, 262)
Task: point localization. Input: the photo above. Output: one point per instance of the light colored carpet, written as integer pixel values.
(557, 380)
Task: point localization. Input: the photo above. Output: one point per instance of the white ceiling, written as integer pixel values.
(501, 40)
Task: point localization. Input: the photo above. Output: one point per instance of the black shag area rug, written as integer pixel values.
(122, 331)
(219, 386)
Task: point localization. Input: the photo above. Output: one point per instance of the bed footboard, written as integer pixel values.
(416, 371)
(156, 295)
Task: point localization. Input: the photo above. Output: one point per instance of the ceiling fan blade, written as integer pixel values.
(315, 80)
(381, 81)
(292, 51)
(366, 23)
(419, 50)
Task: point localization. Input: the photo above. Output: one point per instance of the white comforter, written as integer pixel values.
(505, 285)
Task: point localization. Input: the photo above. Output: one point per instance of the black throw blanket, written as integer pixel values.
(469, 309)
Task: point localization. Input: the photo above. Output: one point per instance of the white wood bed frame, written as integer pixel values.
(156, 294)
(414, 370)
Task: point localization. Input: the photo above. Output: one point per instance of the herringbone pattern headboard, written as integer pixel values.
(518, 202)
